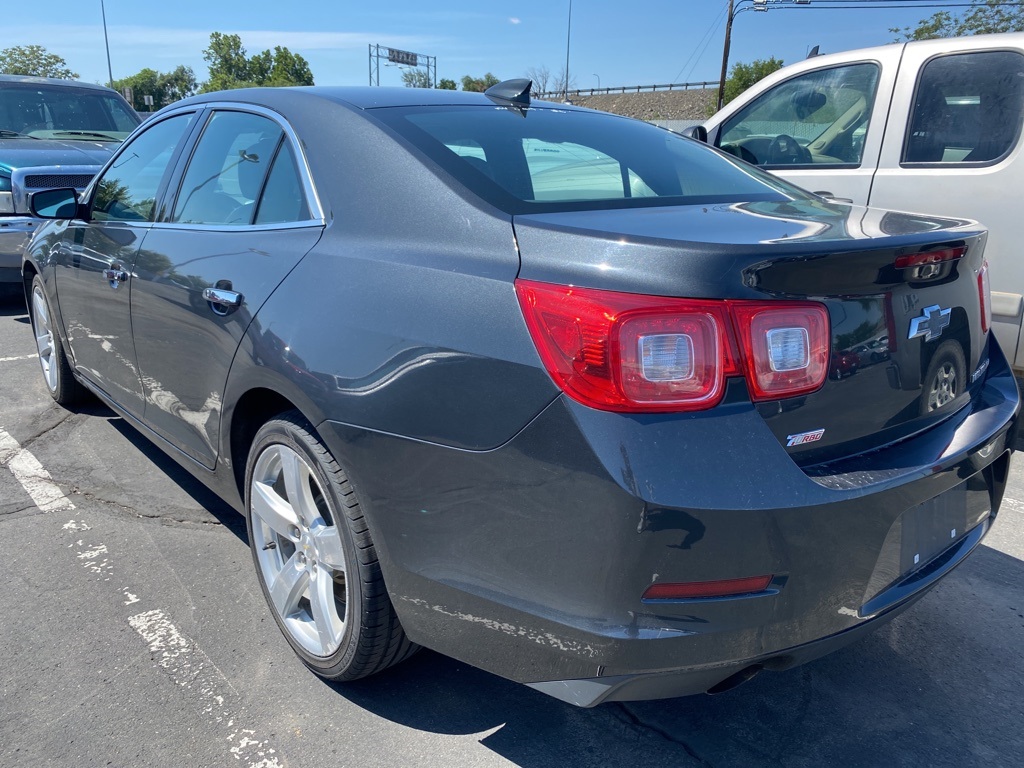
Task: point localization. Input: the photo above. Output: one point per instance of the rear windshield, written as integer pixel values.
(64, 112)
(549, 159)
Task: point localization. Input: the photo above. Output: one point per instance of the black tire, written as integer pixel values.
(946, 378)
(60, 380)
(311, 568)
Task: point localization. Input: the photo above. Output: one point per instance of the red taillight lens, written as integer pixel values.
(785, 347)
(930, 257)
(985, 298)
(705, 589)
(633, 353)
(627, 352)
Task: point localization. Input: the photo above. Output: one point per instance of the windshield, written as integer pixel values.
(63, 112)
(547, 159)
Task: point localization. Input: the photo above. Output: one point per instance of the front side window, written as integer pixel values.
(817, 118)
(967, 109)
(225, 176)
(128, 189)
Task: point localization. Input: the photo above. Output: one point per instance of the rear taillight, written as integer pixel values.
(985, 298)
(785, 347)
(634, 353)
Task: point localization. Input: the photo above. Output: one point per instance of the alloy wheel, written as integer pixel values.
(299, 550)
(944, 386)
(44, 338)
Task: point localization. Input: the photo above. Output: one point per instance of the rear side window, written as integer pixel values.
(227, 170)
(283, 199)
(817, 118)
(967, 109)
(545, 160)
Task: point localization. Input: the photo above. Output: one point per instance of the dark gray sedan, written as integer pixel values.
(547, 390)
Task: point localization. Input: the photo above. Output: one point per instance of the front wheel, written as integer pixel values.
(60, 381)
(314, 557)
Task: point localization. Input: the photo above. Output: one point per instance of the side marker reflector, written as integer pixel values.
(699, 589)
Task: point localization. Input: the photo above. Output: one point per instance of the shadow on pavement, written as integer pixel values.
(225, 514)
(12, 300)
(940, 685)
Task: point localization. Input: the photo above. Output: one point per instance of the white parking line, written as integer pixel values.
(190, 668)
(33, 478)
(20, 357)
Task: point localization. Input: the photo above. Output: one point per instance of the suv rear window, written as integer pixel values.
(547, 159)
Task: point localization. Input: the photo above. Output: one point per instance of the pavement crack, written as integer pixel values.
(121, 508)
(632, 719)
(27, 443)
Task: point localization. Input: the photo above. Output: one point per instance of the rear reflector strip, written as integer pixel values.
(707, 589)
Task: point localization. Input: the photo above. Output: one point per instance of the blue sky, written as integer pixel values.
(622, 43)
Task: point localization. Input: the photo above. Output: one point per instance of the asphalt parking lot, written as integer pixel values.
(133, 633)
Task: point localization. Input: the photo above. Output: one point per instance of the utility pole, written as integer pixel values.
(725, 55)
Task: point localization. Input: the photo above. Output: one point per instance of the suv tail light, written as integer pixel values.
(985, 297)
(634, 353)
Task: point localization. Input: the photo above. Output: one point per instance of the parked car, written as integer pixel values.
(53, 133)
(931, 126)
(580, 434)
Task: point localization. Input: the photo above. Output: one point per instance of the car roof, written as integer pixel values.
(30, 80)
(361, 97)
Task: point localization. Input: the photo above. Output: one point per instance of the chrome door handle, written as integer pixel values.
(222, 301)
(115, 276)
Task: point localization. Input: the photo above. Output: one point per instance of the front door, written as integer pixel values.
(94, 275)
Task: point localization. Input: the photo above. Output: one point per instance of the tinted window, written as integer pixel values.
(283, 199)
(64, 112)
(550, 159)
(967, 109)
(128, 189)
(817, 118)
(228, 167)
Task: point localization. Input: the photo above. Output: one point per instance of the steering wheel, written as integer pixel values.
(784, 150)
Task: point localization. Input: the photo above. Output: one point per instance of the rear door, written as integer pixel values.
(821, 128)
(952, 147)
(244, 214)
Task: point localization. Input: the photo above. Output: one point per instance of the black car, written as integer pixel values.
(544, 389)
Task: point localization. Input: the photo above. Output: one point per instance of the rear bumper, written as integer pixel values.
(530, 560)
(15, 232)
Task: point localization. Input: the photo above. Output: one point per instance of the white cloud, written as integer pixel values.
(514, 20)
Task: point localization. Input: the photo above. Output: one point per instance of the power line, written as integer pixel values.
(704, 41)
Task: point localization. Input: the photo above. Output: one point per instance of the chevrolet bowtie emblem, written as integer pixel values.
(930, 324)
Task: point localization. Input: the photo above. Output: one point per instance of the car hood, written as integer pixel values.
(31, 153)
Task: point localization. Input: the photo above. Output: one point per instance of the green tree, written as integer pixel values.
(164, 87)
(230, 66)
(742, 76)
(447, 84)
(416, 78)
(983, 18)
(479, 84)
(34, 60)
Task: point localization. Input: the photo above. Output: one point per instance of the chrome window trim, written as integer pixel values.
(316, 210)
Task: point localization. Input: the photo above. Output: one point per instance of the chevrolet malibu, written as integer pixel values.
(547, 390)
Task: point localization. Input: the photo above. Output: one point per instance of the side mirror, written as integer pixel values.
(697, 132)
(54, 204)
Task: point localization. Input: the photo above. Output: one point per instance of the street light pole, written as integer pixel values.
(598, 80)
(106, 41)
(568, 37)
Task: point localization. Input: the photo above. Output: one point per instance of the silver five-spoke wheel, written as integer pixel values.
(944, 386)
(298, 549)
(44, 337)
